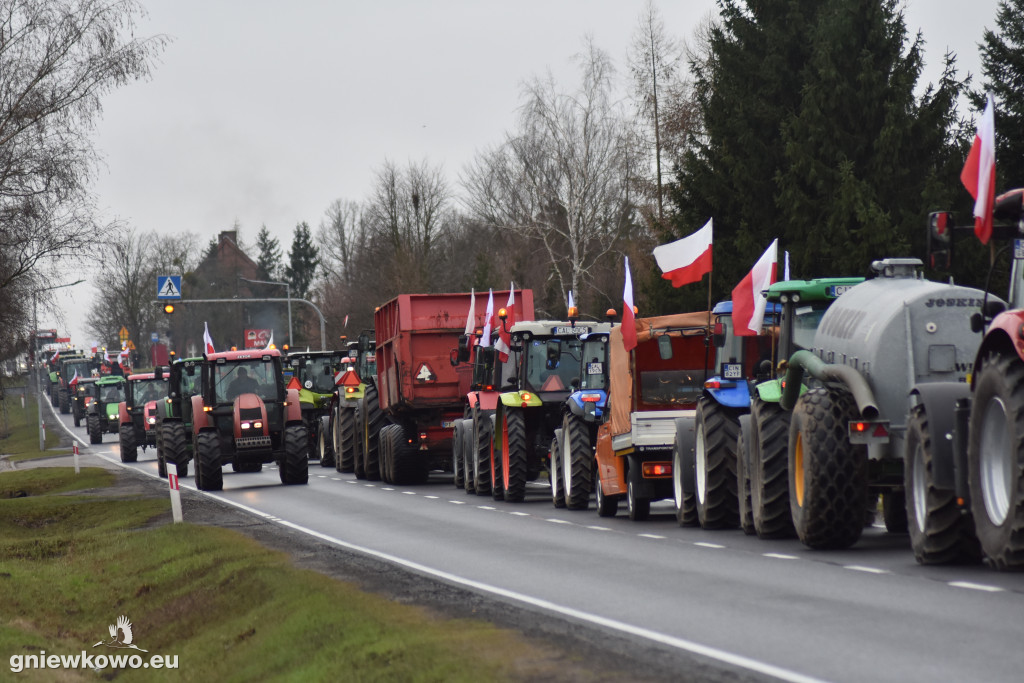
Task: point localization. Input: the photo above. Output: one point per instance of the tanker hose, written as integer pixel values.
(827, 372)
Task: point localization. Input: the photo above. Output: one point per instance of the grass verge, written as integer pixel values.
(21, 441)
(229, 609)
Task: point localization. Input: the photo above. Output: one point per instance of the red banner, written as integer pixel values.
(257, 339)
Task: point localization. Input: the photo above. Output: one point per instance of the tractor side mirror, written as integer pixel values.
(462, 353)
(158, 372)
(665, 347)
(363, 343)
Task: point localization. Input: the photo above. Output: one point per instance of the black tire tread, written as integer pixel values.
(721, 434)
(769, 478)
(581, 453)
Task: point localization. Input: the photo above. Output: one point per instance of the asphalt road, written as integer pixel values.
(770, 609)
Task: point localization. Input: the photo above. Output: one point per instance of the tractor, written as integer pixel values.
(70, 368)
(103, 413)
(245, 416)
(357, 369)
(137, 413)
(174, 414)
(313, 373)
(81, 397)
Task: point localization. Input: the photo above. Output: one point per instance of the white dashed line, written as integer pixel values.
(780, 556)
(321, 476)
(868, 570)
(431, 497)
(372, 486)
(520, 514)
(599, 528)
(976, 586)
(457, 502)
(351, 481)
(486, 507)
(386, 488)
(702, 544)
(558, 521)
(409, 493)
(335, 478)
(651, 536)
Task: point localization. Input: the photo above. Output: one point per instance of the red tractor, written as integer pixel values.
(245, 416)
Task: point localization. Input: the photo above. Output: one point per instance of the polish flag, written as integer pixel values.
(628, 318)
(747, 301)
(74, 380)
(504, 342)
(979, 173)
(207, 339)
(55, 356)
(686, 260)
(106, 356)
(471, 316)
(488, 314)
(270, 342)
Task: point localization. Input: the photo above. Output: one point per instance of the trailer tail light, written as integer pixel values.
(423, 436)
(590, 398)
(657, 469)
(868, 432)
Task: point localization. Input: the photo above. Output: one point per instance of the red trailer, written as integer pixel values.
(408, 414)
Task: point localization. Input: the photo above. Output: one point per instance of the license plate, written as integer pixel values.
(837, 290)
(578, 330)
(732, 371)
(595, 368)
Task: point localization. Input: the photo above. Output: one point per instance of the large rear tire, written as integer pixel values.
(64, 401)
(769, 474)
(483, 437)
(894, 511)
(345, 431)
(294, 467)
(995, 460)
(717, 433)
(828, 480)
(939, 532)
(555, 455)
(458, 458)
(514, 456)
(325, 445)
(209, 476)
(468, 483)
(746, 513)
(175, 445)
(359, 429)
(577, 462)
(373, 420)
(92, 425)
(126, 443)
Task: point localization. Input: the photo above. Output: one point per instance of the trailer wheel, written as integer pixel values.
(345, 437)
(717, 433)
(828, 481)
(577, 462)
(458, 477)
(514, 456)
(607, 506)
(373, 420)
(294, 465)
(746, 513)
(384, 454)
(555, 455)
(92, 425)
(894, 511)
(126, 439)
(939, 533)
(639, 508)
(483, 468)
(995, 457)
(685, 502)
(161, 464)
(769, 474)
(209, 476)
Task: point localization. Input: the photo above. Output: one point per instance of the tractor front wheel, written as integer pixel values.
(715, 470)
(126, 439)
(294, 465)
(514, 456)
(209, 476)
(577, 462)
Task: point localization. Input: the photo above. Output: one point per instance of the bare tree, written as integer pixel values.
(58, 57)
(564, 178)
(342, 236)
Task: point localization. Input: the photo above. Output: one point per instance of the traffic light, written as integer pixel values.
(168, 308)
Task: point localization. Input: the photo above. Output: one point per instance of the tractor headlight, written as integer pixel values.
(151, 420)
(246, 425)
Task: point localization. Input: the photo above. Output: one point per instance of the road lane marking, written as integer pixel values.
(976, 586)
(457, 502)
(351, 481)
(386, 488)
(868, 570)
(519, 514)
(372, 486)
(704, 544)
(321, 476)
(431, 497)
(656, 536)
(486, 507)
(599, 528)
(335, 478)
(409, 493)
(780, 556)
(558, 521)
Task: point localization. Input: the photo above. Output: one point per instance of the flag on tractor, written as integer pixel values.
(628, 316)
(979, 173)
(485, 340)
(686, 260)
(471, 316)
(748, 302)
(504, 342)
(207, 340)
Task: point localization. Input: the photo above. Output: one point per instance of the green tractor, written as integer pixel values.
(103, 414)
(763, 449)
(357, 368)
(74, 366)
(84, 393)
(174, 414)
(313, 373)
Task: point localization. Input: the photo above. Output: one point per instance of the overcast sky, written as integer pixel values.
(264, 112)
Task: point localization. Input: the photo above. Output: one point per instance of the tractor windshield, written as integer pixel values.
(552, 363)
(594, 373)
(805, 323)
(319, 371)
(112, 393)
(231, 380)
(146, 390)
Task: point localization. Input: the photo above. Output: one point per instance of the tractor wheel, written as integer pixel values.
(995, 456)
(607, 506)
(686, 503)
(769, 476)
(126, 440)
(483, 436)
(175, 445)
(497, 481)
(78, 419)
(577, 462)
(63, 400)
(555, 456)
(92, 425)
(514, 456)
(161, 464)
(359, 429)
(54, 396)
(894, 511)
(373, 421)
(457, 455)
(344, 440)
(939, 533)
(639, 508)
(717, 433)
(468, 483)
(182, 469)
(746, 514)
(209, 476)
(325, 445)
(827, 474)
(294, 466)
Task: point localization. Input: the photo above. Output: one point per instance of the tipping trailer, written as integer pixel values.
(407, 416)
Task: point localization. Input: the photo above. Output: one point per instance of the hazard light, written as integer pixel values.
(868, 432)
(590, 398)
(526, 396)
(657, 469)
(351, 390)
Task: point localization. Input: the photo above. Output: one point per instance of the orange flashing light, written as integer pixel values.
(574, 312)
(657, 469)
(502, 314)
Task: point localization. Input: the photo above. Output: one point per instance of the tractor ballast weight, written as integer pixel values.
(847, 435)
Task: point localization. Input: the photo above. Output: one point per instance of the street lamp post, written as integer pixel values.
(35, 346)
(288, 295)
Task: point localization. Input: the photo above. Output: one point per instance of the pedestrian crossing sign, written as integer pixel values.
(168, 287)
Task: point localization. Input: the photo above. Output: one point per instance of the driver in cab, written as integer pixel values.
(242, 384)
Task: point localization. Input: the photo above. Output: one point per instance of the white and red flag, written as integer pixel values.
(686, 260)
(74, 380)
(55, 356)
(628, 317)
(747, 301)
(504, 342)
(106, 356)
(270, 342)
(207, 340)
(485, 340)
(471, 316)
(979, 173)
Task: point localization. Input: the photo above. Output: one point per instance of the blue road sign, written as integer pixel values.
(168, 287)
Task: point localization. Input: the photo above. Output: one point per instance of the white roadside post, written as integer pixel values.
(172, 484)
(74, 449)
